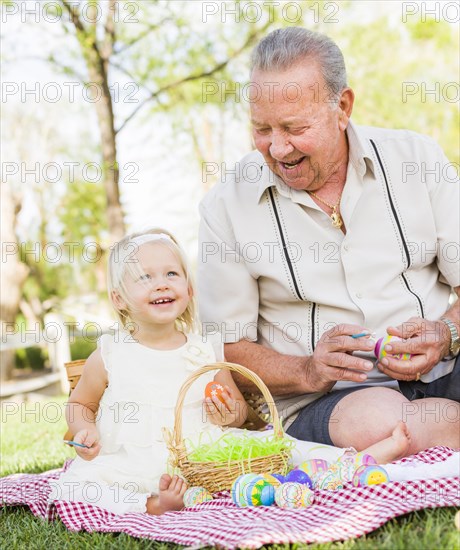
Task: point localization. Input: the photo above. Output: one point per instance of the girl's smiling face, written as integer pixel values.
(156, 286)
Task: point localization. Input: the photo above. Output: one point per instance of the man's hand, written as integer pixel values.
(427, 341)
(332, 360)
(90, 438)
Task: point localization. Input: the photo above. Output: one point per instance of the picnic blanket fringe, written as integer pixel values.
(349, 513)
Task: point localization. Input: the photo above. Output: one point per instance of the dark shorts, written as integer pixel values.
(312, 423)
(447, 386)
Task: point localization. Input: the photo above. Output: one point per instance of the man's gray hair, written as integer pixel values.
(283, 48)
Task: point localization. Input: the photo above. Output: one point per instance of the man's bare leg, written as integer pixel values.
(436, 419)
(368, 416)
(170, 497)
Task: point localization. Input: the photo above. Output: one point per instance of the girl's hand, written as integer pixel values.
(224, 410)
(90, 438)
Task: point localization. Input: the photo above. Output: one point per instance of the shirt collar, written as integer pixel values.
(270, 179)
(359, 154)
(359, 151)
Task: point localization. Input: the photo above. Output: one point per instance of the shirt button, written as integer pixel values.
(359, 295)
(345, 247)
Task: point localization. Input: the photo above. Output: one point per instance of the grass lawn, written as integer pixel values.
(31, 441)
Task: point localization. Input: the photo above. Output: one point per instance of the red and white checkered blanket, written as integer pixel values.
(351, 512)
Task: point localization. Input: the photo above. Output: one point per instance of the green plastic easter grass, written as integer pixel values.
(230, 447)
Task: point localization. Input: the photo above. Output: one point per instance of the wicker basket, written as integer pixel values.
(219, 476)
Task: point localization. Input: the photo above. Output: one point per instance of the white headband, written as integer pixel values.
(148, 237)
(125, 253)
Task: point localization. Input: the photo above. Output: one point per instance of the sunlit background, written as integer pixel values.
(176, 72)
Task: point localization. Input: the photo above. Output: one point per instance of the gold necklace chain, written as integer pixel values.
(335, 216)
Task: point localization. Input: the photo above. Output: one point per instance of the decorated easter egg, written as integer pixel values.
(335, 477)
(299, 476)
(239, 489)
(214, 389)
(344, 470)
(196, 495)
(314, 466)
(329, 482)
(350, 461)
(380, 352)
(261, 490)
(363, 459)
(293, 495)
(370, 475)
(267, 495)
(275, 479)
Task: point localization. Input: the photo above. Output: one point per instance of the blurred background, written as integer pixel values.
(119, 115)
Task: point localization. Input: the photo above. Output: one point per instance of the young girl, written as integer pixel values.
(130, 384)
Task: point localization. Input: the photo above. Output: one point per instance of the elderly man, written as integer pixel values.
(325, 232)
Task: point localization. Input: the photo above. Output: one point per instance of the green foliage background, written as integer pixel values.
(166, 52)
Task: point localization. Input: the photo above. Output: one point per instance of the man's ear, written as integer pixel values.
(345, 107)
(117, 300)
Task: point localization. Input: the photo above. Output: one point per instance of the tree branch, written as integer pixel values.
(88, 50)
(74, 16)
(82, 32)
(190, 78)
(109, 35)
(92, 17)
(65, 68)
(128, 74)
(142, 35)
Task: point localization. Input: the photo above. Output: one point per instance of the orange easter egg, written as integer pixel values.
(214, 389)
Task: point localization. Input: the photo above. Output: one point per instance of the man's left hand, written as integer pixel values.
(427, 342)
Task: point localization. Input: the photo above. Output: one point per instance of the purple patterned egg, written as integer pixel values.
(299, 476)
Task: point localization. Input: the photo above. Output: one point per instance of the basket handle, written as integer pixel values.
(252, 376)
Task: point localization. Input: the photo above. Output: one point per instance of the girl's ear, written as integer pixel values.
(118, 301)
(190, 292)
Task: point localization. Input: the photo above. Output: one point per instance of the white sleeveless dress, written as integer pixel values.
(139, 401)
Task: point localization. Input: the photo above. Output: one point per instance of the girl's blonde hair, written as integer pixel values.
(122, 261)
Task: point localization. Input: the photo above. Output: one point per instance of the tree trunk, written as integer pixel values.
(14, 273)
(96, 54)
(110, 169)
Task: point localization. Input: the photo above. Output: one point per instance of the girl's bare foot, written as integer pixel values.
(401, 438)
(393, 447)
(170, 497)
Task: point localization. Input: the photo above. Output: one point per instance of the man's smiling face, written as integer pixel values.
(297, 125)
